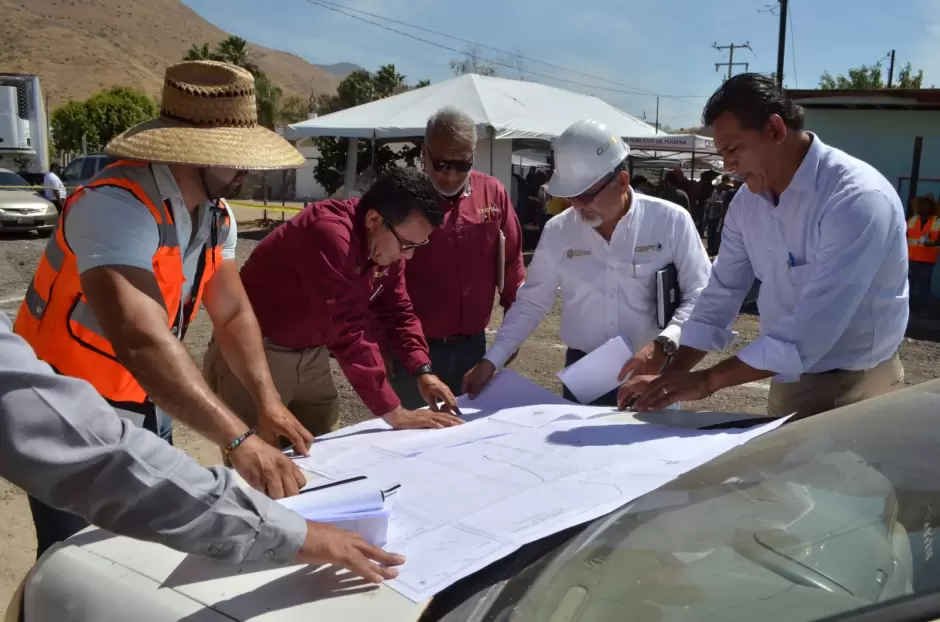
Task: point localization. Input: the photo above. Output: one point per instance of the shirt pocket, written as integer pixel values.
(641, 292)
(481, 232)
(798, 277)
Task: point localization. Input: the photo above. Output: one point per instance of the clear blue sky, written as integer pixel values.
(650, 46)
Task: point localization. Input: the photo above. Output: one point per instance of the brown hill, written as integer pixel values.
(78, 47)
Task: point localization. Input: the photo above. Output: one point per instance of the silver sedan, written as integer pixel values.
(22, 208)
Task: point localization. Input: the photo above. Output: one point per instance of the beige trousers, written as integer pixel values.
(816, 393)
(302, 378)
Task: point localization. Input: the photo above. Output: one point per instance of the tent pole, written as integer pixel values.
(492, 133)
(352, 156)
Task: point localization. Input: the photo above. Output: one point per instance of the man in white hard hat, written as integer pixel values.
(604, 253)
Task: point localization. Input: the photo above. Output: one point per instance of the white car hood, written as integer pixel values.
(99, 576)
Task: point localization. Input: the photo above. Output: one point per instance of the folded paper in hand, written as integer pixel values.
(596, 374)
(357, 505)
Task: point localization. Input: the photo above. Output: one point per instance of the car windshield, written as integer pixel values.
(11, 179)
(822, 516)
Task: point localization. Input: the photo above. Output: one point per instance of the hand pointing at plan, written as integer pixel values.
(404, 419)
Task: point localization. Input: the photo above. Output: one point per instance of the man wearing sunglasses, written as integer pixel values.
(474, 255)
(330, 281)
(603, 254)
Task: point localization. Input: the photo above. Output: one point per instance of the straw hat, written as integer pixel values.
(208, 118)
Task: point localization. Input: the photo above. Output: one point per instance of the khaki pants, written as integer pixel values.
(816, 393)
(302, 378)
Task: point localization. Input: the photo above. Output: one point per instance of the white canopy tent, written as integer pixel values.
(677, 143)
(502, 109)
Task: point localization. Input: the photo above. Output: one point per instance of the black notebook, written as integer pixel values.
(667, 294)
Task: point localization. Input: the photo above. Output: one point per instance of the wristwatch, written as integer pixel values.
(422, 371)
(670, 347)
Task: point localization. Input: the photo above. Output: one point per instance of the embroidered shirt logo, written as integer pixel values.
(488, 213)
(379, 273)
(648, 248)
(577, 252)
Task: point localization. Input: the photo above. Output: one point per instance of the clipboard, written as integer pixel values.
(501, 263)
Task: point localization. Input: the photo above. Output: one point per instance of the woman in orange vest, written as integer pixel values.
(923, 247)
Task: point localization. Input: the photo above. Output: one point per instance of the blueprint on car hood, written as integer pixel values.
(527, 464)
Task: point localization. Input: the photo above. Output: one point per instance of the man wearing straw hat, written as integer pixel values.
(135, 253)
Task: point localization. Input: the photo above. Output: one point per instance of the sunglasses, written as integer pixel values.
(405, 246)
(447, 166)
(587, 197)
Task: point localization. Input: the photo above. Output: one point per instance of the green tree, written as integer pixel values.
(359, 87)
(422, 84)
(117, 109)
(871, 77)
(101, 117)
(294, 109)
(200, 53)
(70, 122)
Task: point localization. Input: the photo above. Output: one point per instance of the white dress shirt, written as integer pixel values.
(607, 289)
(55, 189)
(832, 261)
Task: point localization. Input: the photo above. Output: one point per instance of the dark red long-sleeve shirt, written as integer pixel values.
(452, 280)
(311, 283)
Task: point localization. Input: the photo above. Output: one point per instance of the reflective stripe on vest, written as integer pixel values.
(60, 325)
(916, 251)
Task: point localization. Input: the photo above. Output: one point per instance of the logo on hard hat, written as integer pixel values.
(610, 143)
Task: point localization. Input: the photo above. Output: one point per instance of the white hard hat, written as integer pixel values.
(584, 154)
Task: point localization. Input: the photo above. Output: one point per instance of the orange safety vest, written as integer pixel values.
(55, 317)
(916, 251)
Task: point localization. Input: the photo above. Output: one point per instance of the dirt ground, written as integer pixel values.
(540, 358)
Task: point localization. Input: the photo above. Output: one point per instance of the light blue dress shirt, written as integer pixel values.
(832, 260)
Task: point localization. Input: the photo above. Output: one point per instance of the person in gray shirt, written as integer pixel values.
(63, 444)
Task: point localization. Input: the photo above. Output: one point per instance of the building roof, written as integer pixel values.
(873, 99)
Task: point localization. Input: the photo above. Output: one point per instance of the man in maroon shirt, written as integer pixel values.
(474, 254)
(331, 280)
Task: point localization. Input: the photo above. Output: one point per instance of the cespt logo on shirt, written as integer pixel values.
(576, 252)
(648, 248)
(488, 213)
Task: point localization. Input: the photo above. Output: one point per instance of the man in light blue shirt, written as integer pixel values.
(825, 233)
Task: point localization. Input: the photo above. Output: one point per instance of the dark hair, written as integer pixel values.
(674, 177)
(398, 192)
(751, 98)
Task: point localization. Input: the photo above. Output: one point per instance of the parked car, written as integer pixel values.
(80, 170)
(22, 207)
(827, 518)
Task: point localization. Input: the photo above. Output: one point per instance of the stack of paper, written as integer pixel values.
(357, 504)
(525, 466)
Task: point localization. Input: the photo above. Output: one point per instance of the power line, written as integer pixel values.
(629, 90)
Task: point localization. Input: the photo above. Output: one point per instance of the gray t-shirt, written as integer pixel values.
(108, 226)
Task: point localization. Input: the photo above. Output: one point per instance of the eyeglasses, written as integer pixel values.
(405, 246)
(446, 166)
(587, 197)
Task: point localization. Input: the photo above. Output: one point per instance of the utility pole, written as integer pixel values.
(891, 70)
(731, 47)
(657, 115)
(782, 41)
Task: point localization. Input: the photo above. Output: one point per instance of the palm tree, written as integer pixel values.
(201, 53)
(233, 50)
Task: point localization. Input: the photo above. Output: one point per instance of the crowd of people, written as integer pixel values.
(398, 286)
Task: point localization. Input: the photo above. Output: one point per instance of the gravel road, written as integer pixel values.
(539, 359)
